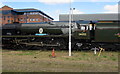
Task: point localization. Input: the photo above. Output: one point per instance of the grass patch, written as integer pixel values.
(25, 54)
(114, 59)
(104, 56)
(40, 61)
(84, 54)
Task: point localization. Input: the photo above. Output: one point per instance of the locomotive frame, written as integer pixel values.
(85, 35)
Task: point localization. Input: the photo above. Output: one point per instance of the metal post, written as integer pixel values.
(73, 13)
(70, 31)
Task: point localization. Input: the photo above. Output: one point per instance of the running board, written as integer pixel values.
(37, 44)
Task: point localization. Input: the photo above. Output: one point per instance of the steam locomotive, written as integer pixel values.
(55, 34)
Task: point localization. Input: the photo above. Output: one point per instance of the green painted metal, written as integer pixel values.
(81, 35)
(45, 30)
(107, 32)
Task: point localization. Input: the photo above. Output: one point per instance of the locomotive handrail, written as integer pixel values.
(33, 36)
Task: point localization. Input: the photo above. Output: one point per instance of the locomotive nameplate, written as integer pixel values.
(82, 34)
(40, 30)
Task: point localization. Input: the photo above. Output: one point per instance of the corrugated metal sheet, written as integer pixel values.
(76, 17)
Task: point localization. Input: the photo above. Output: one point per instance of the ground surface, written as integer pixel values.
(41, 61)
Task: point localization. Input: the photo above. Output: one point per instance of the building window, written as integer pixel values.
(8, 16)
(8, 21)
(21, 19)
(41, 20)
(37, 13)
(31, 13)
(25, 13)
(33, 19)
(36, 19)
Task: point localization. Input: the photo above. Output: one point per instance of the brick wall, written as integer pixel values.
(6, 8)
(21, 18)
(8, 18)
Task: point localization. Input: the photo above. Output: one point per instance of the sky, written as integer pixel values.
(55, 7)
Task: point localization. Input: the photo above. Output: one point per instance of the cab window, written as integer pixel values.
(85, 27)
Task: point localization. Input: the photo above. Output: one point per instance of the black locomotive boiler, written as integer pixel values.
(85, 35)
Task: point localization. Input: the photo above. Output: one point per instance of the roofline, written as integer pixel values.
(92, 14)
(34, 11)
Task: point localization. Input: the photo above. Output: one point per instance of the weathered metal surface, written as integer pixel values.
(107, 32)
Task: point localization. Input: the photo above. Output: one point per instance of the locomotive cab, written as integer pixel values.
(92, 27)
(86, 30)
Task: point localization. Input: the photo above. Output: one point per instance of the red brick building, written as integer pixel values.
(9, 15)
